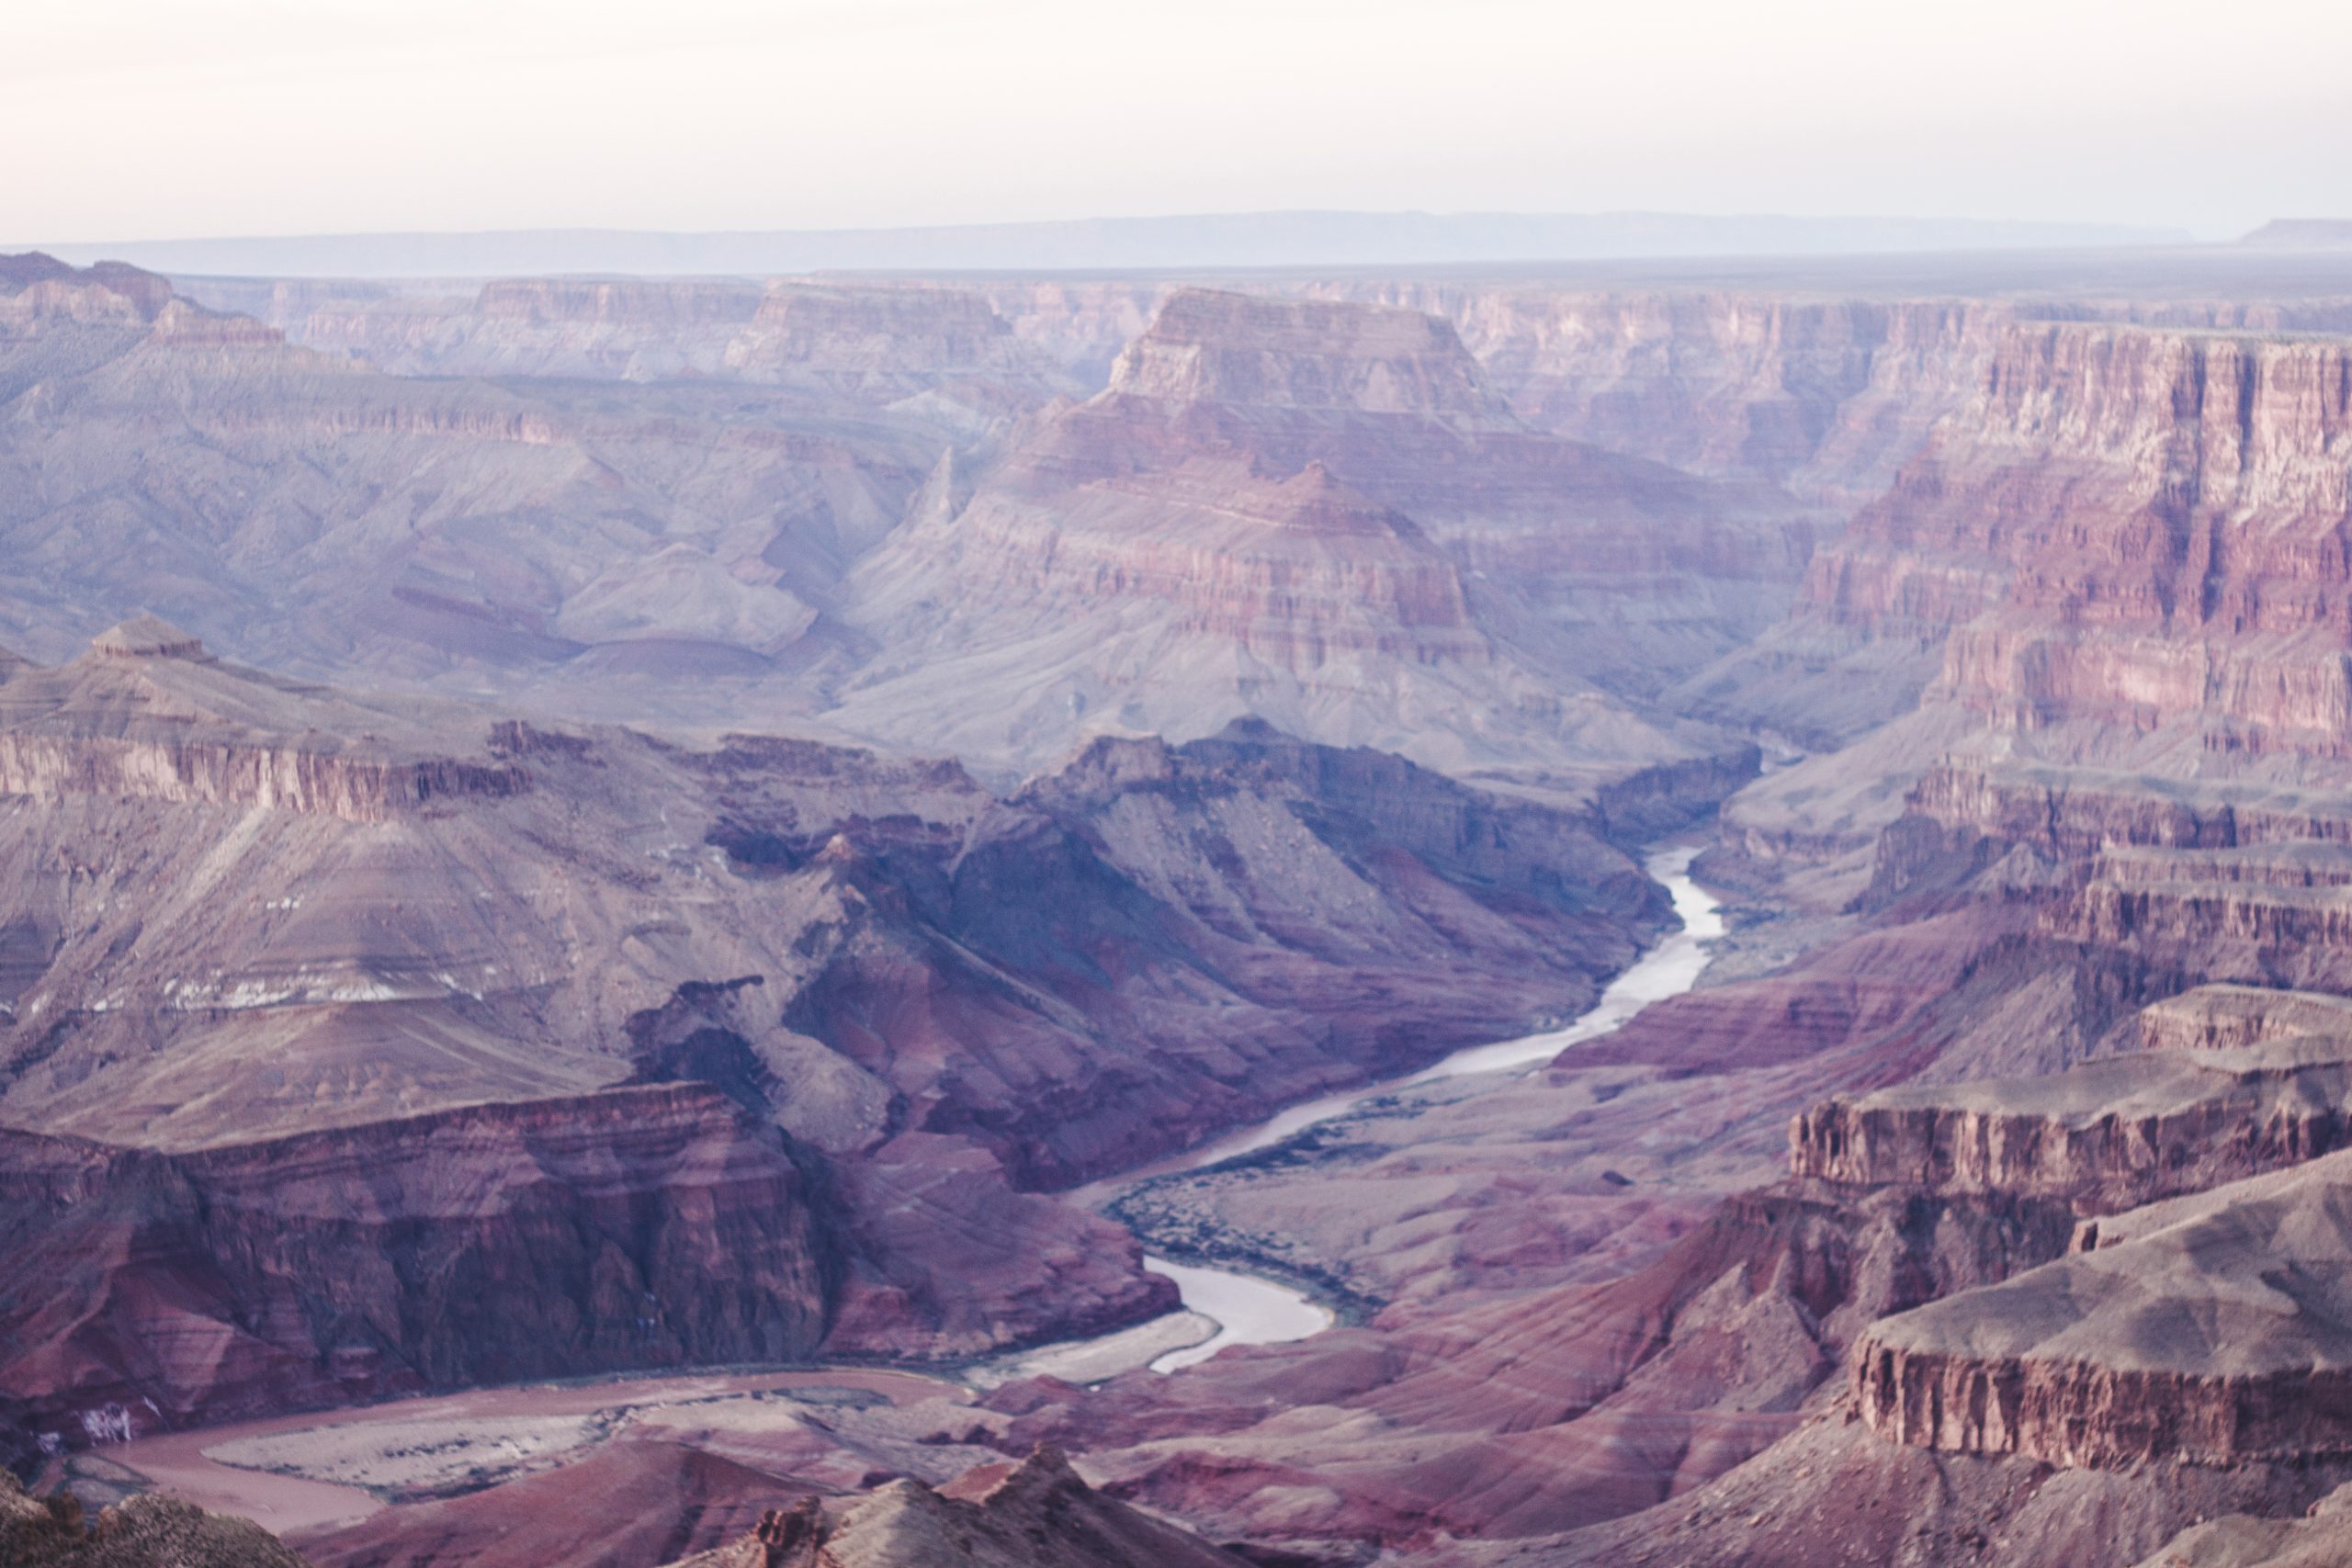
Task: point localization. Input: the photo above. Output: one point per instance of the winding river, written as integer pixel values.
(1249, 1310)
(1246, 1310)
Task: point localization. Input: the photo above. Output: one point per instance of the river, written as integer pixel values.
(1249, 1310)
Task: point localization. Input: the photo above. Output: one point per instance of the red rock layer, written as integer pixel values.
(643, 1227)
(2173, 1130)
(2087, 1416)
(2125, 527)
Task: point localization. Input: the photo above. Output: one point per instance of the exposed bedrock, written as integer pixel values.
(143, 1531)
(1968, 809)
(896, 1004)
(641, 1227)
(1320, 514)
(1824, 396)
(1546, 1410)
(1034, 1514)
(2106, 1136)
(2124, 527)
(2196, 1314)
(1008, 344)
(1836, 1495)
(2206, 1328)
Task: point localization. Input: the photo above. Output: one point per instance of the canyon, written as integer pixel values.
(744, 823)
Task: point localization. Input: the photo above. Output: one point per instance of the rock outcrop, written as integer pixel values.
(1320, 514)
(1824, 397)
(2114, 1133)
(2176, 1334)
(2123, 528)
(103, 726)
(140, 1532)
(314, 512)
(489, 1245)
(2248, 1541)
(869, 343)
(1035, 1514)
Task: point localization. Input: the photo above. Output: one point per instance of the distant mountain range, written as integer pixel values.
(1246, 240)
(2303, 234)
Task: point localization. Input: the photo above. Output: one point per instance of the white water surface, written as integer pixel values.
(1252, 1311)
(1246, 1309)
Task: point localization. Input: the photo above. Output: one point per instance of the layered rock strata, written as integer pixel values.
(918, 1001)
(2176, 1336)
(2114, 1133)
(1321, 514)
(487, 1245)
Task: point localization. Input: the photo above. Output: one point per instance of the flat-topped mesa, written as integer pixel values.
(2231, 1018)
(34, 286)
(1209, 347)
(37, 292)
(148, 713)
(2209, 1329)
(147, 637)
(2104, 1136)
(636, 302)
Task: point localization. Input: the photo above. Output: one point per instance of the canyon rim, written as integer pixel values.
(714, 856)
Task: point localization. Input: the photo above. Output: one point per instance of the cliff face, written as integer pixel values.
(863, 343)
(300, 506)
(2082, 1363)
(358, 789)
(2108, 1135)
(1826, 397)
(889, 340)
(109, 726)
(2124, 527)
(943, 999)
(40, 288)
(1213, 347)
(639, 1228)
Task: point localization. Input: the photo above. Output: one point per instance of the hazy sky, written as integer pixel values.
(151, 118)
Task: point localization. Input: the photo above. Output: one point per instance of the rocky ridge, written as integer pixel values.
(1035, 1514)
(141, 1532)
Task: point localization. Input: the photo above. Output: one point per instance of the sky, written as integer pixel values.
(169, 118)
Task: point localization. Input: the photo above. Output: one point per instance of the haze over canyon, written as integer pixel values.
(1457, 910)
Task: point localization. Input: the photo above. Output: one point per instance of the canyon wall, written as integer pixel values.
(1823, 396)
(262, 1020)
(642, 1227)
